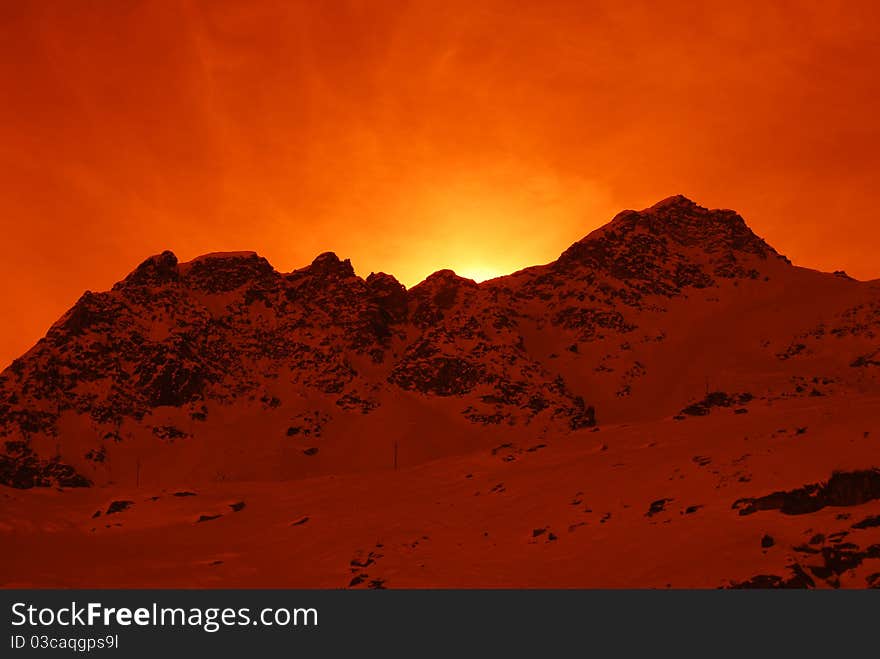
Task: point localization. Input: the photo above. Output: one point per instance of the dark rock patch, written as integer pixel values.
(208, 518)
(864, 361)
(657, 507)
(25, 471)
(119, 506)
(851, 488)
(797, 579)
(439, 375)
(840, 559)
(868, 522)
(716, 399)
(838, 536)
(169, 433)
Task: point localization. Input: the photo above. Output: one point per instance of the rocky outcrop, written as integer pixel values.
(652, 250)
(844, 488)
(716, 399)
(20, 468)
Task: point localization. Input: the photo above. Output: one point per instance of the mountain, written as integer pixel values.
(675, 326)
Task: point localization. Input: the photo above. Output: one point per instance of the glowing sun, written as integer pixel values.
(479, 271)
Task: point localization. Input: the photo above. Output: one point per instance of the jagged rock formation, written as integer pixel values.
(842, 489)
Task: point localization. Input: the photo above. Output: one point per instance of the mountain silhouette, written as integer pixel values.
(224, 370)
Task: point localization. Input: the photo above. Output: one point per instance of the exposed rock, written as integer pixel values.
(24, 470)
(797, 579)
(118, 506)
(157, 270)
(716, 399)
(657, 506)
(851, 488)
(868, 522)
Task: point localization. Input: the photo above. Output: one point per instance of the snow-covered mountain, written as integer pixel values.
(670, 403)
(222, 367)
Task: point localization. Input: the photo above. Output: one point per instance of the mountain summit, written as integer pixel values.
(673, 244)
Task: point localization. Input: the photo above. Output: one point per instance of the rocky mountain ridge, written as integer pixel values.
(163, 372)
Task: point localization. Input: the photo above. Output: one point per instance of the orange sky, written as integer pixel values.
(409, 136)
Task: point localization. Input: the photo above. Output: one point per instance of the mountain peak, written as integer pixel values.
(327, 264)
(438, 292)
(442, 282)
(675, 201)
(679, 221)
(215, 256)
(672, 244)
(220, 272)
(382, 280)
(446, 274)
(154, 271)
(683, 221)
